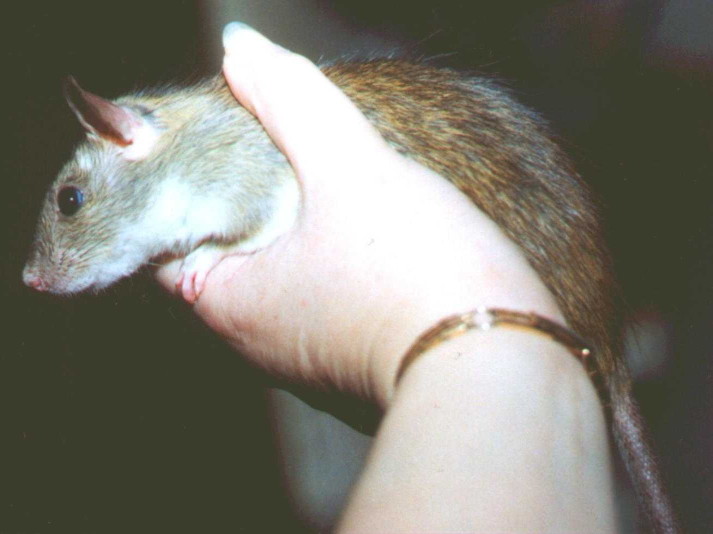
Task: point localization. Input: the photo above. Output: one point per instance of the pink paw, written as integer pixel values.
(195, 268)
(190, 284)
(194, 271)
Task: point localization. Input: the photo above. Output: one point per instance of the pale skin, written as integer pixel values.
(497, 431)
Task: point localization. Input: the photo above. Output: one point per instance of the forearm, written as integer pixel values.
(497, 431)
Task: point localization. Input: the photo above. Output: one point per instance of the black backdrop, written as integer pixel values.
(119, 413)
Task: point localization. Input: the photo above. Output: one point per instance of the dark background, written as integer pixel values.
(120, 413)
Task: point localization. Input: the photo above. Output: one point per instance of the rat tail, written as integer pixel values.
(634, 446)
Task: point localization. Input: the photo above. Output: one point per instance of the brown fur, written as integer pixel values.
(504, 158)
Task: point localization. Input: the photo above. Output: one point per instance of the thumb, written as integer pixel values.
(304, 113)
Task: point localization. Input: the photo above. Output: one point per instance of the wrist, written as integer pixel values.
(401, 336)
(503, 415)
(501, 361)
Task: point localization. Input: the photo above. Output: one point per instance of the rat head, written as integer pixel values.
(84, 232)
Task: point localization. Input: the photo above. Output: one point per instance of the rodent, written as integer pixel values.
(156, 176)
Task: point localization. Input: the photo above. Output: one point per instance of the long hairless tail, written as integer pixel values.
(633, 443)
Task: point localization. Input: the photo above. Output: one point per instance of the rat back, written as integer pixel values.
(503, 156)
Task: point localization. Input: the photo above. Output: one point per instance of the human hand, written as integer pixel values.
(382, 249)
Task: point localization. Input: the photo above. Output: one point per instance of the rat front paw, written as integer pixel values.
(190, 284)
(191, 281)
(194, 270)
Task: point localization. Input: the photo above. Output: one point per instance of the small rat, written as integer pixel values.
(187, 172)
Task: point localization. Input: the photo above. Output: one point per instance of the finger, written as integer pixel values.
(306, 115)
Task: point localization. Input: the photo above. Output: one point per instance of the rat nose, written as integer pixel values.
(34, 281)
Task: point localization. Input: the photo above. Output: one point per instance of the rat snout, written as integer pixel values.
(48, 270)
(33, 280)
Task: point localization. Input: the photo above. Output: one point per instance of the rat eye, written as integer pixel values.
(69, 200)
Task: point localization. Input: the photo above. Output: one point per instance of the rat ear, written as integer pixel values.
(118, 124)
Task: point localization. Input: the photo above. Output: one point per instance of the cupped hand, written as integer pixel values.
(382, 248)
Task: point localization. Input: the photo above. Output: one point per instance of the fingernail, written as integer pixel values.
(231, 29)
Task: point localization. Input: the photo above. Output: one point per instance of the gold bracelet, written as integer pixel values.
(486, 318)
